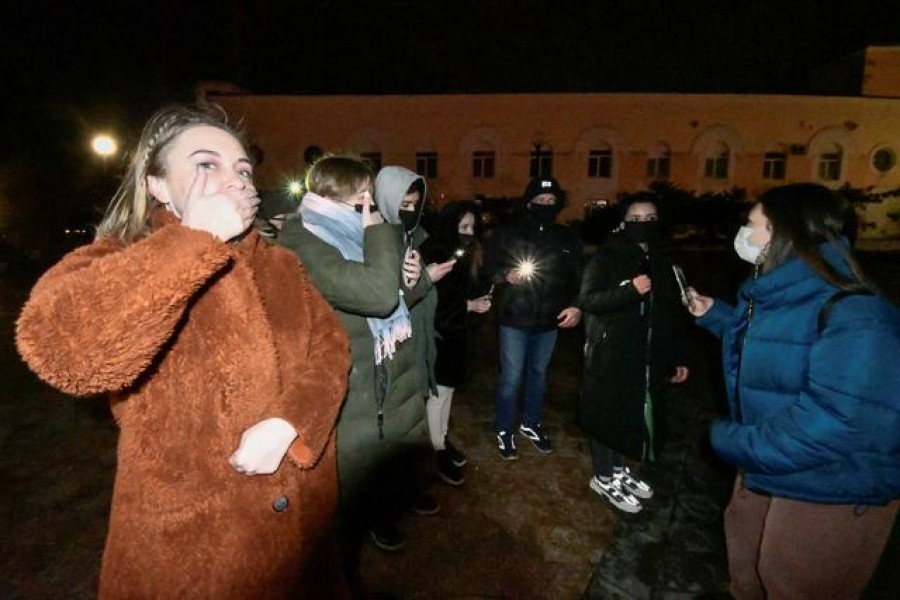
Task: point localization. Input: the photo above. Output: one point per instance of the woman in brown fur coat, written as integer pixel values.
(226, 368)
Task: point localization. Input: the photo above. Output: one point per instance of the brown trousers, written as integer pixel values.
(783, 549)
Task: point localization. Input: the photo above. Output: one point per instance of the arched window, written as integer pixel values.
(716, 163)
(483, 160)
(830, 159)
(774, 163)
(600, 161)
(659, 162)
(373, 159)
(541, 163)
(427, 164)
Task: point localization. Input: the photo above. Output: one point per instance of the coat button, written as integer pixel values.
(281, 504)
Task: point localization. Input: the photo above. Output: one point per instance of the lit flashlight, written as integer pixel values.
(527, 268)
(459, 253)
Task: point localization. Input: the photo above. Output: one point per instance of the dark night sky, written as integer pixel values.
(93, 57)
(72, 67)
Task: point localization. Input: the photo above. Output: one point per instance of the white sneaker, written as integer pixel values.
(630, 483)
(613, 492)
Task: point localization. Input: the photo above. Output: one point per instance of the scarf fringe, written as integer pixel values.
(387, 340)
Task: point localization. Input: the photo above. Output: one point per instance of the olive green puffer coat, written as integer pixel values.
(382, 462)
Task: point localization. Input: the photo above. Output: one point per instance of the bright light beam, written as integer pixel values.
(527, 268)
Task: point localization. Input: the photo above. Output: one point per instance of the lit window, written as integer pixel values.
(483, 164)
(373, 159)
(426, 164)
(600, 163)
(774, 165)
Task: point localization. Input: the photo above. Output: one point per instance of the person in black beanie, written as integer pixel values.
(535, 265)
(633, 349)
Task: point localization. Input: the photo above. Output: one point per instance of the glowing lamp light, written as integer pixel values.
(104, 145)
(294, 187)
(459, 253)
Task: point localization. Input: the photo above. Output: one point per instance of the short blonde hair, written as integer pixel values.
(127, 217)
(337, 177)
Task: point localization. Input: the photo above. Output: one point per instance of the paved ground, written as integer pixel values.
(524, 529)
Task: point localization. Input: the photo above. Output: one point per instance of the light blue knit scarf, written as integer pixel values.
(340, 226)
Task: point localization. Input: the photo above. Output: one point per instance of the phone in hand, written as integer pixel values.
(681, 280)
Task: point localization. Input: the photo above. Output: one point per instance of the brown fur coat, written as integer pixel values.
(197, 340)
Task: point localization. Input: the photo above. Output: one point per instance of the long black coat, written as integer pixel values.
(625, 332)
(452, 317)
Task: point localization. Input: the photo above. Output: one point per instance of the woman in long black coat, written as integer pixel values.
(633, 348)
(455, 233)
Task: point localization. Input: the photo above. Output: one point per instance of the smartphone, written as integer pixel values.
(681, 280)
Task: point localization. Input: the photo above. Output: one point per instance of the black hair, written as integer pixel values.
(418, 185)
(629, 200)
(803, 216)
(445, 230)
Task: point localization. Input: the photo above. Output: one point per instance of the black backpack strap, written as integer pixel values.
(822, 317)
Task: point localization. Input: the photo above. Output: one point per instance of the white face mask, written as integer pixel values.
(744, 248)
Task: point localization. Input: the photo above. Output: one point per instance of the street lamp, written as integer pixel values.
(104, 146)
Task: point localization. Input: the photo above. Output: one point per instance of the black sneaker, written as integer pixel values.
(537, 437)
(447, 469)
(457, 457)
(387, 537)
(507, 444)
(426, 506)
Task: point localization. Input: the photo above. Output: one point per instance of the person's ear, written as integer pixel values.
(158, 189)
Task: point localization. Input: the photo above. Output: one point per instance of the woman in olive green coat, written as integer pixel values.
(356, 261)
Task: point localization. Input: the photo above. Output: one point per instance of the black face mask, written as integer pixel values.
(641, 232)
(409, 219)
(544, 213)
(466, 239)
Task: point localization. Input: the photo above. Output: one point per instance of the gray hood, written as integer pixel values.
(391, 186)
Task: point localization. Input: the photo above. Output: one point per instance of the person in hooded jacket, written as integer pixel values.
(356, 260)
(456, 234)
(633, 349)
(535, 264)
(400, 195)
(809, 355)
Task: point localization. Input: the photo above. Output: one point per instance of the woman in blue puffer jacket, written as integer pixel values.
(809, 359)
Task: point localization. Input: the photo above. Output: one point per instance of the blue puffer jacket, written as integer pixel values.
(813, 417)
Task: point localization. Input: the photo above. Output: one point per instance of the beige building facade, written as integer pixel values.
(598, 145)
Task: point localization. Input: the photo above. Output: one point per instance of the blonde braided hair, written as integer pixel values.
(127, 217)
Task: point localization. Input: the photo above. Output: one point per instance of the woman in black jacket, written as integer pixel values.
(456, 234)
(633, 349)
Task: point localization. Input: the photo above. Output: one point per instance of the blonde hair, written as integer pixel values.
(337, 177)
(127, 216)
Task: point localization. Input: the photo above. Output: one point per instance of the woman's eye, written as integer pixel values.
(248, 175)
(206, 166)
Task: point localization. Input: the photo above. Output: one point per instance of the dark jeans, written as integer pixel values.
(604, 459)
(523, 354)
